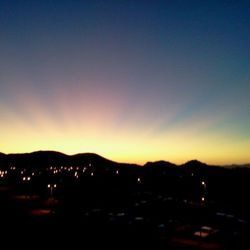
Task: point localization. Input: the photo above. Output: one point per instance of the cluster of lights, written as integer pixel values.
(56, 170)
(24, 170)
(75, 170)
(76, 175)
(2, 173)
(51, 185)
(26, 178)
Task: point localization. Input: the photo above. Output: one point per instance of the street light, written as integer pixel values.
(51, 187)
(26, 178)
(203, 183)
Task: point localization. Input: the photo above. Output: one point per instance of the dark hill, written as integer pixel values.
(48, 158)
(160, 164)
(40, 159)
(36, 159)
(2, 158)
(87, 158)
(194, 164)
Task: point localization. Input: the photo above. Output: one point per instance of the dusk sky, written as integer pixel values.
(131, 80)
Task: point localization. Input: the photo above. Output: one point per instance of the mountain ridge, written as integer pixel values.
(59, 157)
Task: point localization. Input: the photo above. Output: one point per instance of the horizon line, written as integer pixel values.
(219, 165)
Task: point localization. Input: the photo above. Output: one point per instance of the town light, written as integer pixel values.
(51, 187)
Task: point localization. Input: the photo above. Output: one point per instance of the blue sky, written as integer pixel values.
(131, 80)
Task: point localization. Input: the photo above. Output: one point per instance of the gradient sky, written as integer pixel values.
(133, 80)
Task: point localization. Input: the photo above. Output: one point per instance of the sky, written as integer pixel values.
(133, 81)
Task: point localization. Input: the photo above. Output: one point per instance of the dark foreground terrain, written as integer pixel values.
(48, 200)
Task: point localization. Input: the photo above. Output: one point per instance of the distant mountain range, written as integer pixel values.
(237, 166)
(47, 158)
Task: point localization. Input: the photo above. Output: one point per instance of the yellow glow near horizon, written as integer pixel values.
(124, 144)
(102, 125)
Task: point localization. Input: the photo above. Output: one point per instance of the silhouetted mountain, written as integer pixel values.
(48, 158)
(164, 164)
(201, 169)
(36, 159)
(194, 164)
(161, 168)
(87, 158)
(2, 158)
(237, 166)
